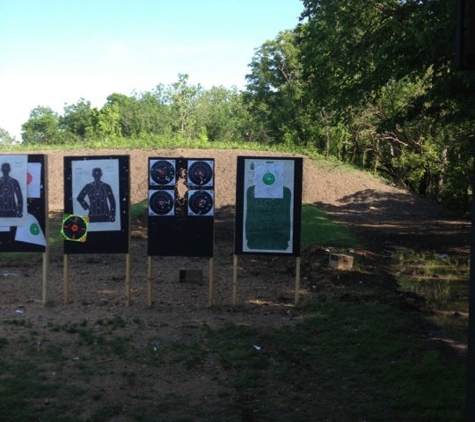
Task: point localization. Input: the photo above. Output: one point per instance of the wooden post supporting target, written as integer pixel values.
(127, 279)
(66, 271)
(297, 280)
(210, 282)
(45, 287)
(149, 281)
(235, 263)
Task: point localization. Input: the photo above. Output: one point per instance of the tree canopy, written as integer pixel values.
(372, 83)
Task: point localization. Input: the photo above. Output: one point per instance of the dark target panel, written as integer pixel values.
(96, 204)
(28, 232)
(181, 207)
(268, 205)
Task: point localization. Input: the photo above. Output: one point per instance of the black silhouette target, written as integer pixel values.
(161, 202)
(162, 172)
(200, 202)
(74, 228)
(200, 173)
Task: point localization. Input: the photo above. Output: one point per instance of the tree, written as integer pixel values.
(6, 139)
(274, 91)
(79, 120)
(384, 70)
(42, 127)
(221, 113)
(183, 98)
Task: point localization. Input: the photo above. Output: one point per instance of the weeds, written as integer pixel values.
(442, 281)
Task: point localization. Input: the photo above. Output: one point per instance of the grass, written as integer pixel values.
(345, 360)
(317, 228)
(348, 358)
(443, 282)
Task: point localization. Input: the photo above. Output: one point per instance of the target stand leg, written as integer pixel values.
(297, 280)
(149, 281)
(235, 264)
(211, 282)
(66, 268)
(127, 280)
(45, 290)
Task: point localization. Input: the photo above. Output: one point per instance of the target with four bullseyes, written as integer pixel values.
(200, 203)
(161, 203)
(162, 172)
(200, 173)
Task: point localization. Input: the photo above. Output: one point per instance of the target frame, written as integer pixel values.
(200, 173)
(161, 209)
(25, 237)
(162, 172)
(114, 237)
(204, 208)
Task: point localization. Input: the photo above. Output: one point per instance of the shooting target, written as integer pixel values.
(200, 173)
(75, 228)
(200, 202)
(162, 172)
(161, 202)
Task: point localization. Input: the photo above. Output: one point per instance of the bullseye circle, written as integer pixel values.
(74, 228)
(268, 179)
(162, 172)
(161, 202)
(200, 202)
(200, 173)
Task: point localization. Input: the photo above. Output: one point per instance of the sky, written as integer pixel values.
(56, 52)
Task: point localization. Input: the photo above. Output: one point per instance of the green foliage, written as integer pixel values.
(6, 140)
(318, 229)
(42, 127)
(368, 82)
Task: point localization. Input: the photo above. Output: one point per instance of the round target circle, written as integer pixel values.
(162, 172)
(268, 179)
(161, 202)
(200, 202)
(74, 227)
(200, 173)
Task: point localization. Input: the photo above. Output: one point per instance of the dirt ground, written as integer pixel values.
(381, 216)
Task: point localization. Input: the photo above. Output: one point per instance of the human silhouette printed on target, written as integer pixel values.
(11, 197)
(101, 205)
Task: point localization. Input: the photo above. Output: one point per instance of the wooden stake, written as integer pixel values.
(127, 279)
(211, 282)
(45, 288)
(66, 263)
(149, 281)
(235, 264)
(297, 280)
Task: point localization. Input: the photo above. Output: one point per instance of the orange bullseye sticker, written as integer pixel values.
(74, 227)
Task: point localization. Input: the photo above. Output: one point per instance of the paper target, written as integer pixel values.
(162, 172)
(31, 232)
(200, 173)
(74, 228)
(161, 202)
(200, 203)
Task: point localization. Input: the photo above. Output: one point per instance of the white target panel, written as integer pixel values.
(200, 203)
(162, 172)
(200, 173)
(161, 203)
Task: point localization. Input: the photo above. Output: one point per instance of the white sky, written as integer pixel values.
(55, 52)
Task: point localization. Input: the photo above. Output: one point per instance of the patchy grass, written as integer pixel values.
(442, 281)
(348, 358)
